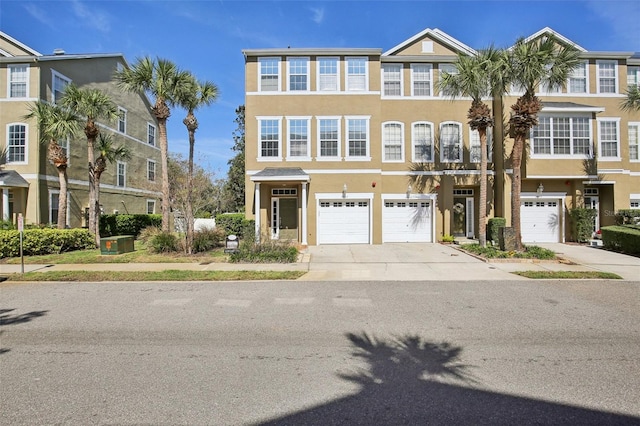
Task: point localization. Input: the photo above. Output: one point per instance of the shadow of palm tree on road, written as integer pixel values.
(11, 319)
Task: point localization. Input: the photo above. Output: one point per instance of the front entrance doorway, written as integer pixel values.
(462, 224)
(592, 201)
(284, 219)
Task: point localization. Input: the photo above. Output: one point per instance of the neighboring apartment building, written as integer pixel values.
(358, 146)
(29, 182)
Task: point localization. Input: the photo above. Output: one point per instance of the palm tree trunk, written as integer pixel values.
(482, 225)
(164, 159)
(189, 204)
(62, 198)
(96, 229)
(516, 186)
(92, 188)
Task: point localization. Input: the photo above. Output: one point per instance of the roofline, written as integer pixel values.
(418, 59)
(436, 33)
(312, 51)
(608, 55)
(79, 56)
(22, 45)
(556, 35)
(573, 109)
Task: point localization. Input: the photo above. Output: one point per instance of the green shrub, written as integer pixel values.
(624, 239)
(6, 225)
(447, 238)
(164, 242)
(582, 221)
(628, 217)
(147, 233)
(267, 252)
(236, 224)
(44, 241)
(491, 252)
(127, 224)
(207, 239)
(493, 228)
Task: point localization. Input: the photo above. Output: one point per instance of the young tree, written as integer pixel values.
(478, 77)
(191, 97)
(93, 104)
(234, 187)
(532, 63)
(162, 80)
(56, 123)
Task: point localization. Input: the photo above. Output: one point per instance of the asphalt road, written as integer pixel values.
(276, 353)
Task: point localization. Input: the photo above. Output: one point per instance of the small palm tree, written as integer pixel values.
(163, 81)
(478, 77)
(532, 63)
(56, 123)
(192, 97)
(93, 104)
(108, 153)
(632, 101)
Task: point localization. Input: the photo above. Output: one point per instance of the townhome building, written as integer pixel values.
(358, 145)
(28, 181)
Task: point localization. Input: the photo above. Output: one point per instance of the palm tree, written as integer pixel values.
(532, 63)
(192, 97)
(93, 104)
(56, 123)
(632, 101)
(478, 77)
(163, 81)
(108, 153)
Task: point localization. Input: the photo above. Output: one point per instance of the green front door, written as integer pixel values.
(288, 219)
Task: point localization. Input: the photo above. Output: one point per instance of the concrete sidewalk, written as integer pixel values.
(392, 262)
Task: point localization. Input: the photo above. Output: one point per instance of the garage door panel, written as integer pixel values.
(406, 221)
(540, 221)
(343, 222)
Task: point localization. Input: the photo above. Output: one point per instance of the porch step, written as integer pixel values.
(596, 243)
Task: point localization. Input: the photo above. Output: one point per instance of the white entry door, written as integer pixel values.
(540, 221)
(407, 221)
(343, 222)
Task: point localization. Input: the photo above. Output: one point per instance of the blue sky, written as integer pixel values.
(206, 37)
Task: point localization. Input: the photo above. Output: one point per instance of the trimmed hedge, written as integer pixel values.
(236, 224)
(625, 239)
(493, 228)
(628, 216)
(44, 241)
(582, 223)
(127, 224)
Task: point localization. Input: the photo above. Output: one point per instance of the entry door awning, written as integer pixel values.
(279, 174)
(12, 179)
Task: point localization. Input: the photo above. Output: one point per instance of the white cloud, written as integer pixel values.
(91, 17)
(623, 18)
(39, 15)
(318, 14)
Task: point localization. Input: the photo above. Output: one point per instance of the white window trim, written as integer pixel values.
(400, 67)
(55, 74)
(124, 174)
(9, 81)
(430, 66)
(121, 110)
(366, 74)
(260, 158)
(154, 206)
(26, 143)
(308, 74)
(442, 94)
(155, 170)
(616, 76)
(489, 145)
(533, 155)
(599, 120)
(402, 141)
(460, 142)
(347, 157)
(155, 133)
(318, 75)
(307, 157)
(586, 66)
(318, 139)
(57, 191)
(413, 145)
(269, 58)
(637, 73)
(629, 126)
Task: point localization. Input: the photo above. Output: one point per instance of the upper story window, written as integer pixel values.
(474, 146)
(121, 174)
(579, 79)
(17, 143)
(451, 142)
(18, 81)
(421, 80)
(328, 138)
(151, 170)
(357, 138)
(633, 76)
(122, 120)
(328, 75)
(298, 74)
(151, 134)
(269, 139)
(269, 71)
(392, 80)
(357, 74)
(298, 139)
(422, 142)
(448, 69)
(634, 141)
(607, 76)
(609, 138)
(561, 136)
(58, 84)
(392, 141)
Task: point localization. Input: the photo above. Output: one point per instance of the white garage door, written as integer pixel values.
(405, 221)
(540, 221)
(343, 222)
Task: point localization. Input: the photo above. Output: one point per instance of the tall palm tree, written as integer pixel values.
(93, 104)
(478, 77)
(191, 97)
(56, 123)
(162, 80)
(532, 63)
(632, 101)
(108, 152)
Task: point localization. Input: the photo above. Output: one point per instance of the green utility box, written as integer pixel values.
(116, 245)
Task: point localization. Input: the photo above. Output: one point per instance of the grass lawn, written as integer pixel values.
(569, 275)
(167, 275)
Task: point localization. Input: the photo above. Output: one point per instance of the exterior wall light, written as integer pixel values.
(540, 189)
(409, 191)
(344, 191)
